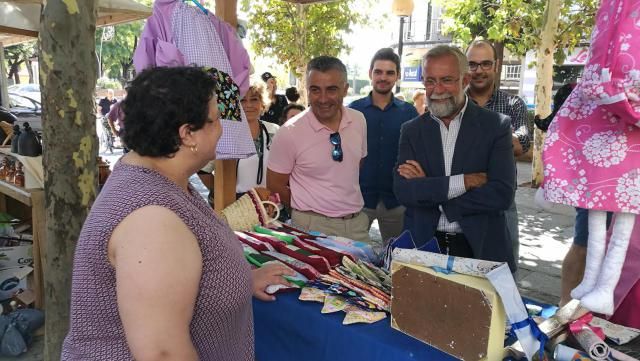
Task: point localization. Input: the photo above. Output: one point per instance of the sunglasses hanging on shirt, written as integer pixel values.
(336, 153)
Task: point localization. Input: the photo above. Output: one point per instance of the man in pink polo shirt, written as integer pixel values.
(315, 157)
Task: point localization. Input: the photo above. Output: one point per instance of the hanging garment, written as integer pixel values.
(178, 34)
(156, 46)
(591, 153)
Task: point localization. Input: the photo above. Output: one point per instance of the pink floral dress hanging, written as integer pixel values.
(592, 151)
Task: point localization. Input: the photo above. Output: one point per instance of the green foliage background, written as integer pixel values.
(518, 23)
(294, 34)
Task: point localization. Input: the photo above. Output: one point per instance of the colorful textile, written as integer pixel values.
(307, 270)
(591, 153)
(227, 95)
(254, 243)
(316, 261)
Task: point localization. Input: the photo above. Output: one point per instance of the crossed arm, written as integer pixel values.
(484, 191)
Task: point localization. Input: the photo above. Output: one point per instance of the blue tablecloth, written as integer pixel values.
(289, 329)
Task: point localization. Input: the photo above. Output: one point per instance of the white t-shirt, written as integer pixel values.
(248, 167)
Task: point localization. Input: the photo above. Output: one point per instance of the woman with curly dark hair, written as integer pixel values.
(157, 275)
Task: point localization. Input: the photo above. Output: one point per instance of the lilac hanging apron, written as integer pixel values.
(200, 44)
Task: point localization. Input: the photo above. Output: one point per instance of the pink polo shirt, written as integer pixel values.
(302, 149)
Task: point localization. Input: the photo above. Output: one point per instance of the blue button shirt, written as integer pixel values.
(383, 136)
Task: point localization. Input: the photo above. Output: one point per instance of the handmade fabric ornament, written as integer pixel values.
(227, 95)
(591, 153)
(312, 294)
(357, 315)
(333, 304)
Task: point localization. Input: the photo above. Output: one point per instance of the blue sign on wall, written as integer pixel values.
(412, 73)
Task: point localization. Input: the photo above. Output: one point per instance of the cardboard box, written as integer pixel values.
(12, 280)
(17, 256)
(457, 314)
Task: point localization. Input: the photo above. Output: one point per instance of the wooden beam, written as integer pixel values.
(16, 31)
(224, 182)
(227, 10)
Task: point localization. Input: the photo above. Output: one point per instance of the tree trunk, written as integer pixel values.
(544, 82)
(302, 85)
(500, 59)
(70, 148)
(301, 67)
(14, 69)
(30, 71)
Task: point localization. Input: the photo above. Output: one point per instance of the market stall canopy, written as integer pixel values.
(20, 19)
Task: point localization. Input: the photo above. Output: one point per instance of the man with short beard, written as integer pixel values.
(483, 63)
(384, 114)
(456, 172)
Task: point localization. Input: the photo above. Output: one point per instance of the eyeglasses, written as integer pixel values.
(485, 65)
(336, 153)
(445, 82)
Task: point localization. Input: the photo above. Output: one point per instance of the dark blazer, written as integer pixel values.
(483, 145)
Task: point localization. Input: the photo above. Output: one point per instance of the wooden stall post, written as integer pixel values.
(224, 183)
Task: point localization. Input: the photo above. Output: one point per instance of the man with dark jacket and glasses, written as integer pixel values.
(455, 172)
(315, 157)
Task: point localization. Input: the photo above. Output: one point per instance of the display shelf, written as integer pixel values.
(18, 193)
(33, 200)
(33, 170)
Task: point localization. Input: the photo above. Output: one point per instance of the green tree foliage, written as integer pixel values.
(518, 23)
(294, 33)
(17, 55)
(117, 53)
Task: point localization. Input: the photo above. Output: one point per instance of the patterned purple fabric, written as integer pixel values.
(222, 324)
(198, 40)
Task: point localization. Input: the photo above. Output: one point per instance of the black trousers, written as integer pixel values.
(454, 244)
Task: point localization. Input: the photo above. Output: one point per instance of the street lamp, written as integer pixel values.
(401, 9)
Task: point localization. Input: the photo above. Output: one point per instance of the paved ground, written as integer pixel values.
(545, 238)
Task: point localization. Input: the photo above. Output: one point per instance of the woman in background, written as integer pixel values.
(291, 111)
(252, 171)
(420, 101)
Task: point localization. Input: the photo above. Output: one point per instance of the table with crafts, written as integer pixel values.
(454, 304)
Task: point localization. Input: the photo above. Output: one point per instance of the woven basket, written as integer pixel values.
(248, 211)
